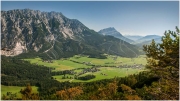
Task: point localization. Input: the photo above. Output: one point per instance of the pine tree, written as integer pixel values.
(163, 61)
(165, 54)
(27, 93)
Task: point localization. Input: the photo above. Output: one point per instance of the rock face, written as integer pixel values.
(49, 33)
(23, 29)
(113, 32)
(18, 49)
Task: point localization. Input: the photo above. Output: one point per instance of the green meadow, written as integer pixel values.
(58, 64)
(15, 89)
(109, 71)
(77, 61)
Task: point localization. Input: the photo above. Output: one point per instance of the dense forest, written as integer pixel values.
(161, 82)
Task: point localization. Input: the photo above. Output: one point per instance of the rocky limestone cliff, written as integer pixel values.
(22, 28)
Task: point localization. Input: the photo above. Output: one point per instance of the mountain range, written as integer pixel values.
(30, 33)
(146, 40)
(132, 39)
(149, 38)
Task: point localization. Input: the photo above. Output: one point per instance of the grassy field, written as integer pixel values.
(15, 89)
(111, 72)
(58, 64)
(110, 60)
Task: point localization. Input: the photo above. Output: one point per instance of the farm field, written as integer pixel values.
(113, 66)
(110, 73)
(15, 89)
(58, 64)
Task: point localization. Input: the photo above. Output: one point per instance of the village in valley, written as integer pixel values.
(82, 68)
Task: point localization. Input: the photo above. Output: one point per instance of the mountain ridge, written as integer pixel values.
(51, 34)
(146, 40)
(133, 37)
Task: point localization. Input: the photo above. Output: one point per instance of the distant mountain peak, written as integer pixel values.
(108, 29)
(113, 32)
(111, 28)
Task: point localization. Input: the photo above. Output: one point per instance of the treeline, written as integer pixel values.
(87, 77)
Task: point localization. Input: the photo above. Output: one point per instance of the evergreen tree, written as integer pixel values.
(166, 53)
(163, 61)
(27, 93)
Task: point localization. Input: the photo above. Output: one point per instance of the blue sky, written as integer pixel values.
(128, 17)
